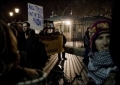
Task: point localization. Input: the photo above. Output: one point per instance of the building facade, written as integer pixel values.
(73, 28)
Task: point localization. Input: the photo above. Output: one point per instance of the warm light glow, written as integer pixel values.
(11, 13)
(16, 10)
(68, 22)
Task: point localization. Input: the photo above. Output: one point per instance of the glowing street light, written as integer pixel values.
(11, 14)
(16, 10)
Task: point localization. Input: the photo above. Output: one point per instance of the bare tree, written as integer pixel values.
(102, 7)
(58, 7)
(82, 8)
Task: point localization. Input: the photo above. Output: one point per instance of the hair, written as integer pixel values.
(88, 28)
(8, 45)
(17, 27)
(14, 31)
(28, 24)
(94, 49)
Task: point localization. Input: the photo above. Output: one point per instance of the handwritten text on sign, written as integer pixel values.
(35, 16)
(53, 44)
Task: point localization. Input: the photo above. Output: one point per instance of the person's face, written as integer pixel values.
(25, 27)
(103, 41)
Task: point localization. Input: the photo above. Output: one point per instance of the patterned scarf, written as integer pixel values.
(100, 65)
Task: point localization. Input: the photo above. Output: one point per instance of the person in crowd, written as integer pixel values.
(101, 68)
(56, 32)
(20, 35)
(87, 46)
(10, 70)
(14, 31)
(20, 24)
(26, 26)
(36, 53)
(115, 42)
(63, 53)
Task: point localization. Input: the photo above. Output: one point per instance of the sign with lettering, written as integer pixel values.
(35, 16)
(53, 44)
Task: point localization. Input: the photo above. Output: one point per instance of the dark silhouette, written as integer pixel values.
(63, 53)
(20, 35)
(115, 42)
(10, 70)
(36, 55)
(86, 46)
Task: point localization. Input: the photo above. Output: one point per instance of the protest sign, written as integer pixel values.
(35, 16)
(53, 44)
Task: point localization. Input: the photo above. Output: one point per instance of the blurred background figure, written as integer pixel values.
(86, 46)
(62, 54)
(10, 70)
(36, 54)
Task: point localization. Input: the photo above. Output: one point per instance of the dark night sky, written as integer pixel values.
(22, 5)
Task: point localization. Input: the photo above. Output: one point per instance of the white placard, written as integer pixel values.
(35, 16)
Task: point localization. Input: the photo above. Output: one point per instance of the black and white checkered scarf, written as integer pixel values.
(100, 65)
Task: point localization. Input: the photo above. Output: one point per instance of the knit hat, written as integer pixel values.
(97, 28)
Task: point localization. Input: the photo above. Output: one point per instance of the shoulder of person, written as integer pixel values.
(31, 29)
(110, 79)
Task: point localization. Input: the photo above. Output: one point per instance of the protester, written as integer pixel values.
(87, 46)
(26, 26)
(62, 54)
(101, 68)
(36, 54)
(20, 34)
(10, 70)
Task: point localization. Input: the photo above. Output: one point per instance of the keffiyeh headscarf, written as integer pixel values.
(100, 65)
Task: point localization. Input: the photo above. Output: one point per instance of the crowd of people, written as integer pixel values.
(32, 51)
(11, 70)
(22, 54)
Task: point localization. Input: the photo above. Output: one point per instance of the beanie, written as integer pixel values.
(100, 26)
